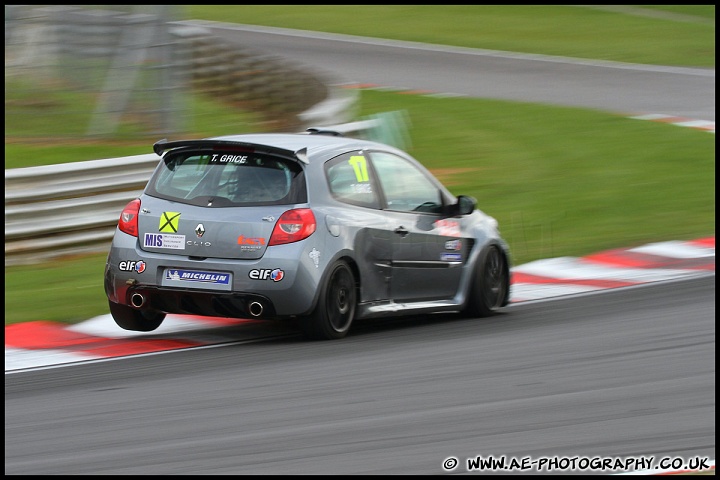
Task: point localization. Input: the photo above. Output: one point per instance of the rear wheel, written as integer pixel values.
(138, 320)
(335, 309)
(491, 285)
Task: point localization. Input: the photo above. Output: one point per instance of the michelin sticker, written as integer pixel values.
(197, 276)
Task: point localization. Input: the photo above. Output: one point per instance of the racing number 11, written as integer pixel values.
(359, 164)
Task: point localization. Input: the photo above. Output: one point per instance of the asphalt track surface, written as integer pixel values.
(628, 89)
(610, 356)
(619, 372)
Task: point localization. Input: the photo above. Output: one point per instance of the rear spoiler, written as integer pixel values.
(344, 129)
(163, 145)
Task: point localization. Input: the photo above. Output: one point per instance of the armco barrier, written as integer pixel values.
(69, 208)
(73, 208)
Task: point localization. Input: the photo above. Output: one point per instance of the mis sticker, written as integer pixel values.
(163, 240)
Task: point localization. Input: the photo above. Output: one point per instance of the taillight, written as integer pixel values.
(293, 226)
(128, 222)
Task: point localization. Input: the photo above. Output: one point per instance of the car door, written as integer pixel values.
(352, 183)
(428, 250)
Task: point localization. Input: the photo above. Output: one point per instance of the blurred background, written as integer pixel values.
(109, 71)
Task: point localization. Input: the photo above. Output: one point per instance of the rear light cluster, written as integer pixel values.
(128, 222)
(293, 226)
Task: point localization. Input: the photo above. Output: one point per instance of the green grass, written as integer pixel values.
(66, 290)
(593, 32)
(561, 181)
(206, 117)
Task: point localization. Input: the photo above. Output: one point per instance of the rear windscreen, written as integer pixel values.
(228, 179)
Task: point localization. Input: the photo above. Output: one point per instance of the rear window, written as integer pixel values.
(228, 179)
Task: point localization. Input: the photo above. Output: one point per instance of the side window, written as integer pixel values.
(351, 181)
(406, 188)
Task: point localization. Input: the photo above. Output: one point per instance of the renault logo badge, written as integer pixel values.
(200, 230)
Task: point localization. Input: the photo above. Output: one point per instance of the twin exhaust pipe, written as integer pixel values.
(255, 308)
(137, 300)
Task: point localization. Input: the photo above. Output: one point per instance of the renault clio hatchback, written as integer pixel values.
(317, 228)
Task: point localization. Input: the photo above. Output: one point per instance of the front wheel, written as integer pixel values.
(136, 320)
(491, 284)
(335, 309)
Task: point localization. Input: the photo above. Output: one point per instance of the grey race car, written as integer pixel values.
(314, 227)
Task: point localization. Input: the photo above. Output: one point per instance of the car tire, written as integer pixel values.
(137, 320)
(490, 288)
(335, 310)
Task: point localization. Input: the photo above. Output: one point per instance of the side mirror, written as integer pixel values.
(465, 205)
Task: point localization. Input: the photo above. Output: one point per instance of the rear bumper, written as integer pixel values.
(252, 289)
(201, 302)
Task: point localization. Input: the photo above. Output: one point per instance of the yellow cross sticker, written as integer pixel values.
(169, 222)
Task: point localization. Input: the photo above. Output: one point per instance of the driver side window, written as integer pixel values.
(406, 188)
(351, 181)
